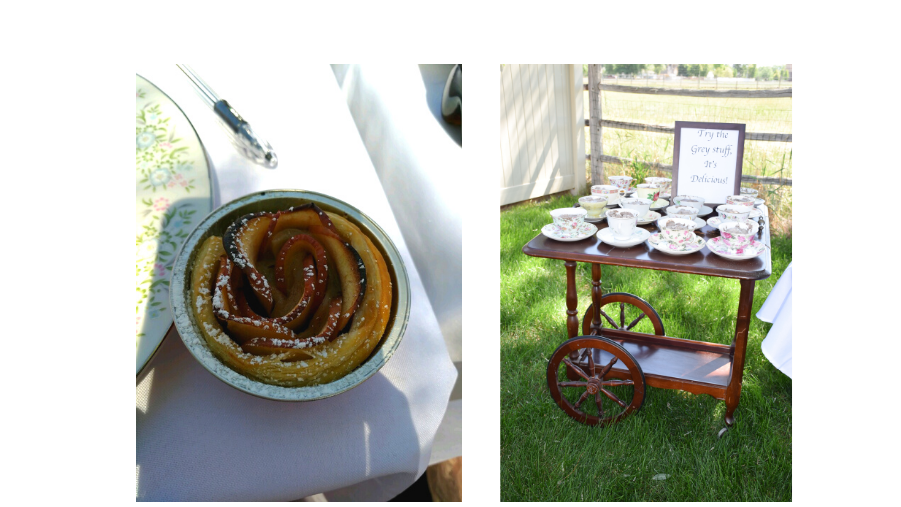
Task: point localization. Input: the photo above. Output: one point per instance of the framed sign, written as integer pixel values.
(707, 159)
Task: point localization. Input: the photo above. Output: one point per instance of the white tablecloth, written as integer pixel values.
(777, 346)
(199, 439)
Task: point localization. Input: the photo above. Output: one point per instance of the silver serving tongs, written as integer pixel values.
(240, 133)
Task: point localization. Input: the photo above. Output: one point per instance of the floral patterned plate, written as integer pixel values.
(673, 248)
(173, 195)
(719, 247)
(584, 232)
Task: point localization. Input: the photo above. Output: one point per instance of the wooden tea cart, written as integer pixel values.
(608, 356)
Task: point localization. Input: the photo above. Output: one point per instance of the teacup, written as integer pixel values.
(640, 206)
(662, 221)
(694, 201)
(612, 193)
(568, 220)
(623, 222)
(750, 192)
(682, 212)
(663, 182)
(647, 190)
(728, 212)
(678, 230)
(738, 234)
(742, 200)
(593, 204)
(621, 182)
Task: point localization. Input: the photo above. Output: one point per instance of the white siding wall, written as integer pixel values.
(541, 110)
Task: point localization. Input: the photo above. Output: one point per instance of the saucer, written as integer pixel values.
(584, 232)
(595, 220)
(718, 246)
(674, 248)
(639, 235)
(650, 217)
(705, 210)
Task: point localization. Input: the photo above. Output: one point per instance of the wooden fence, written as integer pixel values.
(596, 123)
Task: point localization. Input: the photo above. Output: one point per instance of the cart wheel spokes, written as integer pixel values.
(607, 372)
(620, 310)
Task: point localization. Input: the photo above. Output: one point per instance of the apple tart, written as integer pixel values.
(294, 298)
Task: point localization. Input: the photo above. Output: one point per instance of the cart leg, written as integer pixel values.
(572, 321)
(739, 346)
(596, 299)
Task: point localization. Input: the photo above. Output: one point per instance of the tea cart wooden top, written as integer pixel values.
(642, 255)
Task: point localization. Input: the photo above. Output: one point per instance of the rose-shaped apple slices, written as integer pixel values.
(299, 255)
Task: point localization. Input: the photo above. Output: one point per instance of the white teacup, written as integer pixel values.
(623, 222)
(738, 234)
(621, 182)
(568, 220)
(612, 193)
(694, 201)
(750, 192)
(647, 190)
(640, 206)
(593, 204)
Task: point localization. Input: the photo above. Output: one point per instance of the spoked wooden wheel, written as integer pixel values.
(600, 395)
(624, 311)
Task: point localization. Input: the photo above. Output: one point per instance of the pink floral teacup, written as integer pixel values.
(738, 234)
(568, 220)
(621, 182)
(678, 230)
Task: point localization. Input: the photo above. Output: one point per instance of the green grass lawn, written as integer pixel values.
(547, 456)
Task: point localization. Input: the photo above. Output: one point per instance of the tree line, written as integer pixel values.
(751, 70)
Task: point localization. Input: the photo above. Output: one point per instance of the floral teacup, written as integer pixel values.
(610, 191)
(738, 234)
(741, 200)
(568, 220)
(679, 231)
(663, 182)
(682, 212)
(750, 192)
(621, 182)
(728, 212)
(593, 204)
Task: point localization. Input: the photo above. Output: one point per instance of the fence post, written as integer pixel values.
(594, 102)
